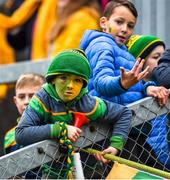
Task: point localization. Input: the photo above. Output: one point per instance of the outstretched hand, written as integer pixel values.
(109, 150)
(73, 133)
(160, 93)
(132, 77)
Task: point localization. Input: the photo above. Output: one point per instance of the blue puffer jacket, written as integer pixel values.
(106, 58)
(157, 139)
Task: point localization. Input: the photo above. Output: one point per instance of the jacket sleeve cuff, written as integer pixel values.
(117, 142)
(149, 83)
(55, 130)
(121, 85)
(115, 87)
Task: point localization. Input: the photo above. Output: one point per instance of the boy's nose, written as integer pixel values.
(70, 84)
(27, 99)
(124, 28)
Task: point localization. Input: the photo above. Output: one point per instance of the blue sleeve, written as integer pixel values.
(119, 117)
(31, 128)
(149, 83)
(106, 82)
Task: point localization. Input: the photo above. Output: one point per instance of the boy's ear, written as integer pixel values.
(14, 100)
(103, 21)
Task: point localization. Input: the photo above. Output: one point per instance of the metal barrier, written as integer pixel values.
(22, 162)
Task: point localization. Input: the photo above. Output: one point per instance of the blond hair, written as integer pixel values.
(31, 79)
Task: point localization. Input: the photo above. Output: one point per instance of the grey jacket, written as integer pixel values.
(161, 74)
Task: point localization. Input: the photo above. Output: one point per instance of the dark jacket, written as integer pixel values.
(161, 74)
(41, 118)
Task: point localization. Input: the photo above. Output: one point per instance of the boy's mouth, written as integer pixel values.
(68, 93)
(122, 39)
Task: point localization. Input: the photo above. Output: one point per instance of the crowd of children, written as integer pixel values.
(112, 69)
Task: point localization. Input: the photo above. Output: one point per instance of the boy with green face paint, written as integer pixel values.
(65, 93)
(68, 86)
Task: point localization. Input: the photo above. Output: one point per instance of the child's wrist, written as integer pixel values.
(123, 86)
(146, 85)
(117, 142)
(55, 130)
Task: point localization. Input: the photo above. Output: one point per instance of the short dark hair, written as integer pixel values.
(116, 3)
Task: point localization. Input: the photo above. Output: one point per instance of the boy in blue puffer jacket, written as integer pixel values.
(116, 75)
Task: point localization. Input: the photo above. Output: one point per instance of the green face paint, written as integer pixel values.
(110, 29)
(68, 86)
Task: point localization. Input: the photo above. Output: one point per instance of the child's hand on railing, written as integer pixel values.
(109, 150)
(73, 133)
(160, 93)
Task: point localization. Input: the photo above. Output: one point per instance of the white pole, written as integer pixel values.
(78, 169)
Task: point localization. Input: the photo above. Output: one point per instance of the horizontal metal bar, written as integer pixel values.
(10, 73)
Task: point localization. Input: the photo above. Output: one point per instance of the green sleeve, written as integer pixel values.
(100, 109)
(37, 105)
(117, 142)
(55, 131)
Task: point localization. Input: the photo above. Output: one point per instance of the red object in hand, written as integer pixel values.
(79, 119)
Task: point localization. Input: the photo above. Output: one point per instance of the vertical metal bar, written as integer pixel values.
(146, 17)
(160, 15)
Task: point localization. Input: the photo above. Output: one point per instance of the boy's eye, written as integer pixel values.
(63, 78)
(79, 80)
(131, 26)
(119, 22)
(21, 97)
(156, 56)
(30, 96)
